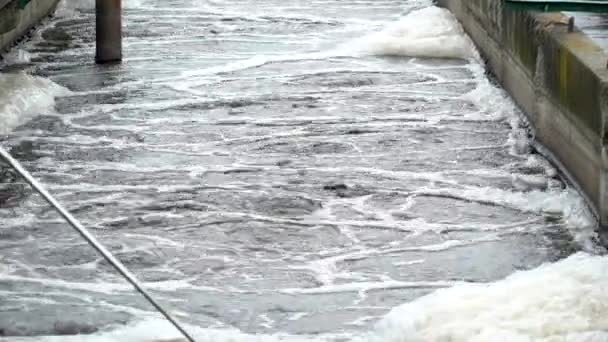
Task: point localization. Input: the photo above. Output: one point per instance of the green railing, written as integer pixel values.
(22, 3)
(560, 5)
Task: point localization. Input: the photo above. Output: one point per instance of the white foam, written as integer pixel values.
(69, 8)
(156, 330)
(25, 96)
(428, 32)
(17, 56)
(494, 103)
(135, 4)
(254, 62)
(369, 286)
(566, 301)
(106, 287)
(566, 204)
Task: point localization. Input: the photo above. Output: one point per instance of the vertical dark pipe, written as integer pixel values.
(108, 27)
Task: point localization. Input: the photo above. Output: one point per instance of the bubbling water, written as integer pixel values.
(288, 173)
(428, 32)
(24, 97)
(565, 301)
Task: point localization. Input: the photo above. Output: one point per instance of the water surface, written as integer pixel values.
(281, 170)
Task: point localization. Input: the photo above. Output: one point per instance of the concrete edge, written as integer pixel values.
(16, 23)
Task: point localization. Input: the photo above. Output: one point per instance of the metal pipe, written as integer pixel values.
(108, 31)
(90, 239)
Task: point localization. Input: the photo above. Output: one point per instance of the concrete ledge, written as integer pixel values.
(557, 76)
(16, 22)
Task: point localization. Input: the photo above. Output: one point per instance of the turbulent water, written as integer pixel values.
(285, 171)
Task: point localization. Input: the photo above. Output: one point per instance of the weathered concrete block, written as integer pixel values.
(9, 18)
(15, 22)
(570, 81)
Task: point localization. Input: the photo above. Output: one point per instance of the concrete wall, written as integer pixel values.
(559, 78)
(15, 22)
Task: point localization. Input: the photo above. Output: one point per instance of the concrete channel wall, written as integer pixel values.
(17, 17)
(558, 76)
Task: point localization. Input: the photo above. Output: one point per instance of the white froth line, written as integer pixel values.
(438, 247)
(297, 316)
(410, 262)
(505, 227)
(370, 286)
(110, 288)
(443, 246)
(157, 240)
(46, 292)
(408, 226)
(480, 148)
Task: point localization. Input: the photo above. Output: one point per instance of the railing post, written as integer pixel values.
(108, 28)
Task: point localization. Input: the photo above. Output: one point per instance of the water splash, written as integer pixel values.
(26, 96)
(565, 301)
(428, 32)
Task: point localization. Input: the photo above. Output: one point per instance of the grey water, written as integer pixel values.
(261, 183)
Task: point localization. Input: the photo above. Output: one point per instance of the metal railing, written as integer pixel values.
(91, 240)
